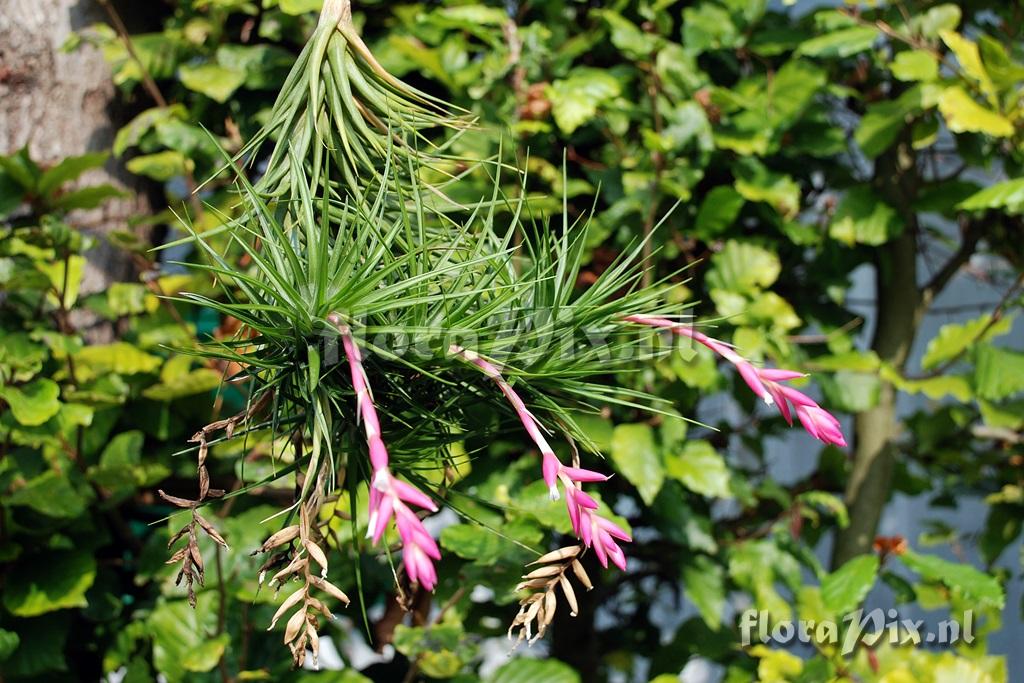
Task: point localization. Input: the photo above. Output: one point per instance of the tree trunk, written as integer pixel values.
(63, 104)
(900, 308)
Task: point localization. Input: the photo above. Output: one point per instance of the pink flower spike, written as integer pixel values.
(584, 500)
(411, 494)
(750, 376)
(616, 555)
(764, 382)
(781, 402)
(614, 529)
(550, 468)
(578, 474)
(779, 375)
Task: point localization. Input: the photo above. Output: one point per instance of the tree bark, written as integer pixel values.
(63, 104)
(900, 309)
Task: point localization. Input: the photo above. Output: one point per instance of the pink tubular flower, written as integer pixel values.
(765, 382)
(594, 530)
(389, 496)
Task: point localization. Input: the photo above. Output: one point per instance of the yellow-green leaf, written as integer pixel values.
(964, 115)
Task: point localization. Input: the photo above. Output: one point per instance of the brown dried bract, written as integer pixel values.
(537, 610)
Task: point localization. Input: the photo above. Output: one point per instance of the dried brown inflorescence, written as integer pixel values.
(192, 570)
(537, 610)
(295, 547)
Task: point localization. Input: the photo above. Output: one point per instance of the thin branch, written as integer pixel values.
(971, 237)
(995, 317)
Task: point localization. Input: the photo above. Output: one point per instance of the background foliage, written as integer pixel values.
(796, 153)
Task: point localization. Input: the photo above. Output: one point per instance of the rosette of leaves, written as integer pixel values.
(340, 109)
(344, 257)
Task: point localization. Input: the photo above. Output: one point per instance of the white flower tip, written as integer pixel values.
(768, 400)
(553, 492)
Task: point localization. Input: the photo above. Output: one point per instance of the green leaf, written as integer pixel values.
(66, 277)
(967, 54)
(1007, 195)
(934, 388)
(50, 494)
(955, 338)
(128, 298)
(8, 643)
(213, 80)
(161, 166)
(626, 36)
(636, 457)
(119, 357)
(34, 403)
(757, 184)
(844, 589)
(41, 647)
(700, 468)
(264, 66)
(717, 212)
(474, 542)
(851, 392)
(69, 169)
(87, 197)
(964, 115)
(883, 121)
(706, 26)
(704, 582)
(20, 168)
(998, 373)
(937, 19)
(480, 15)
(576, 99)
(976, 586)
(829, 502)
(44, 583)
(842, 43)
(863, 218)
(130, 135)
(438, 649)
(181, 641)
(198, 381)
(743, 267)
(297, 7)
(12, 194)
(528, 670)
(915, 65)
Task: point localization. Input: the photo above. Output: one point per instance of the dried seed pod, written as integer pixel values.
(295, 565)
(314, 643)
(557, 555)
(320, 607)
(294, 625)
(318, 556)
(178, 556)
(532, 584)
(570, 594)
(210, 531)
(329, 588)
(549, 570)
(581, 574)
(292, 600)
(174, 500)
(280, 538)
(550, 606)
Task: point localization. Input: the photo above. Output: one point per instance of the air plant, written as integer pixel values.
(344, 258)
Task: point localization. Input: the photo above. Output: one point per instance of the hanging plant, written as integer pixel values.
(377, 316)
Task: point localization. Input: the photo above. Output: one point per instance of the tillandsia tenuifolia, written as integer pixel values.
(374, 321)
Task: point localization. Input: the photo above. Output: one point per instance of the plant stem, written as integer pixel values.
(336, 12)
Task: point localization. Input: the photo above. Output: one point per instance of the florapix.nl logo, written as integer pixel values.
(870, 628)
